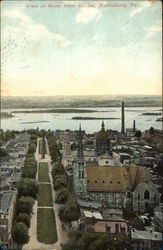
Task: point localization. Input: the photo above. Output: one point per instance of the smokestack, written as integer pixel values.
(123, 119)
(134, 126)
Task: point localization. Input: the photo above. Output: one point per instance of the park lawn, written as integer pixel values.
(43, 175)
(45, 196)
(40, 147)
(46, 226)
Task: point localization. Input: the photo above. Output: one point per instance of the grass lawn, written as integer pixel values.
(40, 147)
(43, 175)
(46, 226)
(45, 195)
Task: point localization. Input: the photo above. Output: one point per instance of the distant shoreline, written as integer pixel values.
(74, 102)
(5, 115)
(56, 111)
(152, 113)
(93, 118)
(34, 122)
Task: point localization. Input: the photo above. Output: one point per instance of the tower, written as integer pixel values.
(134, 126)
(80, 146)
(79, 171)
(123, 119)
(102, 126)
(102, 141)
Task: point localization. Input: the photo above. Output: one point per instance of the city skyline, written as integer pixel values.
(100, 50)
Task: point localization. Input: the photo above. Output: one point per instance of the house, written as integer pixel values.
(7, 201)
(147, 240)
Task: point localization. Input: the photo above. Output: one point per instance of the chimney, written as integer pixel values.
(134, 126)
(123, 119)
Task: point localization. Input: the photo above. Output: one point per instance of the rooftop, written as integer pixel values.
(113, 179)
(146, 235)
(5, 200)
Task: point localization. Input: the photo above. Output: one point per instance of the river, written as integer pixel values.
(54, 121)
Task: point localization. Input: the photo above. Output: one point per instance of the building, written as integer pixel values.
(147, 240)
(7, 201)
(156, 136)
(158, 217)
(145, 195)
(102, 141)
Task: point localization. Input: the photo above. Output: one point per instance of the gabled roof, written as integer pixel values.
(113, 179)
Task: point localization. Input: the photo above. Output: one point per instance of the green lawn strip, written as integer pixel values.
(46, 226)
(43, 175)
(45, 195)
(40, 147)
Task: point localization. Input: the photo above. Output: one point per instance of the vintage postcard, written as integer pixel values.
(81, 125)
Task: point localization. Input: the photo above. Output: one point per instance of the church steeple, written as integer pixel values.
(80, 146)
(102, 126)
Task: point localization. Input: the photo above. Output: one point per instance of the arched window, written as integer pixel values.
(138, 196)
(128, 195)
(154, 198)
(146, 195)
(116, 228)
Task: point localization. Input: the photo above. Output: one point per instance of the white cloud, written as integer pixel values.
(87, 14)
(142, 6)
(153, 30)
(31, 30)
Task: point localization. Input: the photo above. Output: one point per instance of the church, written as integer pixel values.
(113, 186)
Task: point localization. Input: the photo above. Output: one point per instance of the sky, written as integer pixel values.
(81, 48)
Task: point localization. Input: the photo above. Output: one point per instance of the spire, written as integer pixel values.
(80, 146)
(102, 126)
(123, 119)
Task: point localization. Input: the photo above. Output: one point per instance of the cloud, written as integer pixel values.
(142, 6)
(87, 14)
(153, 30)
(31, 30)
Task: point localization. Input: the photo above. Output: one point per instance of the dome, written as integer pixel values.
(102, 135)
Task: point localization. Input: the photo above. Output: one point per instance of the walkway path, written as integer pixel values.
(34, 244)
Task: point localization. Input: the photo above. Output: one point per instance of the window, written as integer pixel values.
(79, 174)
(118, 182)
(103, 182)
(95, 181)
(111, 182)
(154, 198)
(146, 195)
(88, 181)
(138, 196)
(116, 228)
(82, 174)
(128, 195)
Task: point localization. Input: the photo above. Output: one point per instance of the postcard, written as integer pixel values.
(81, 125)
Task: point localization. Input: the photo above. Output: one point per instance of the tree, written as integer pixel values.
(151, 130)
(25, 204)
(3, 152)
(95, 241)
(28, 187)
(59, 182)
(69, 212)
(138, 134)
(32, 148)
(20, 233)
(57, 169)
(23, 217)
(29, 172)
(62, 196)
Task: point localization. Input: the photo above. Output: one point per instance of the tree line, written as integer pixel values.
(27, 193)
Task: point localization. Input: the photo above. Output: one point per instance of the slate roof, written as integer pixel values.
(5, 200)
